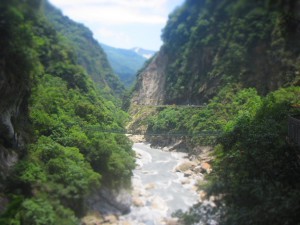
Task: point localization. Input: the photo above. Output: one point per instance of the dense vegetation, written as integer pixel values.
(255, 167)
(212, 44)
(67, 156)
(255, 170)
(125, 63)
(216, 116)
(89, 53)
(239, 60)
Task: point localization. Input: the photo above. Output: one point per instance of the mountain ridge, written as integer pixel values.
(205, 52)
(90, 55)
(125, 63)
(143, 52)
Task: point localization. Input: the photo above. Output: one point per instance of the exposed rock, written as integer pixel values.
(188, 173)
(171, 221)
(108, 201)
(14, 92)
(150, 186)
(185, 181)
(202, 195)
(180, 145)
(151, 82)
(198, 169)
(187, 165)
(206, 167)
(136, 138)
(111, 219)
(126, 223)
(138, 202)
(158, 203)
(92, 219)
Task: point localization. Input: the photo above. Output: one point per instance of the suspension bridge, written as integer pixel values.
(168, 106)
(207, 133)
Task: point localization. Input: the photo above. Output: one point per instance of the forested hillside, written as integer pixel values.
(125, 63)
(239, 60)
(89, 53)
(52, 151)
(213, 44)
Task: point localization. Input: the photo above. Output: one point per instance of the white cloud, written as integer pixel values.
(156, 4)
(113, 36)
(113, 15)
(115, 11)
(121, 23)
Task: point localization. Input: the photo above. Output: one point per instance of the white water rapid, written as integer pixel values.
(157, 188)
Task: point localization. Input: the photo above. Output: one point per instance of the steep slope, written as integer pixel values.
(209, 45)
(53, 154)
(151, 82)
(89, 53)
(16, 69)
(239, 60)
(125, 63)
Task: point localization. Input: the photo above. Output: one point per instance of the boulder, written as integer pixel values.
(188, 173)
(206, 168)
(185, 181)
(150, 186)
(110, 219)
(171, 221)
(185, 166)
(159, 204)
(138, 202)
(92, 219)
(202, 195)
(198, 169)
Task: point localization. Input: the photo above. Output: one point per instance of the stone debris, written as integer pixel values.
(191, 171)
(184, 166)
(206, 168)
(150, 186)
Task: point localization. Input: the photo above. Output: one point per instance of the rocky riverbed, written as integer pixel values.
(163, 182)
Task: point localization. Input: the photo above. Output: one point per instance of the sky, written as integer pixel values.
(122, 23)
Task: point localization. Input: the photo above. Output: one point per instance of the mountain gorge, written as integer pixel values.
(89, 53)
(208, 46)
(125, 63)
(54, 155)
(227, 76)
(225, 84)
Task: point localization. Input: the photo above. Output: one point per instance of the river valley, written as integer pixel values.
(158, 190)
(163, 182)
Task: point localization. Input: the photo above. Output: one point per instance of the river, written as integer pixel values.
(157, 189)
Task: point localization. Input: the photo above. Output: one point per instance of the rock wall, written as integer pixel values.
(150, 87)
(14, 92)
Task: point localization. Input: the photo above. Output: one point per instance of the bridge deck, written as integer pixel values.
(170, 106)
(179, 133)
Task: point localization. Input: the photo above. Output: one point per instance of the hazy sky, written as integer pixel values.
(122, 23)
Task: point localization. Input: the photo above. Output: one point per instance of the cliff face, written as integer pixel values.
(210, 45)
(16, 66)
(150, 87)
(13, 116)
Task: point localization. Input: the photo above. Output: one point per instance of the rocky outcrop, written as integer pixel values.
(150, 87)
(108, 201)
(14, 92)
(204, 52)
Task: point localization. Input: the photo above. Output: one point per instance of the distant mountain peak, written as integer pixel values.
(144, 52)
